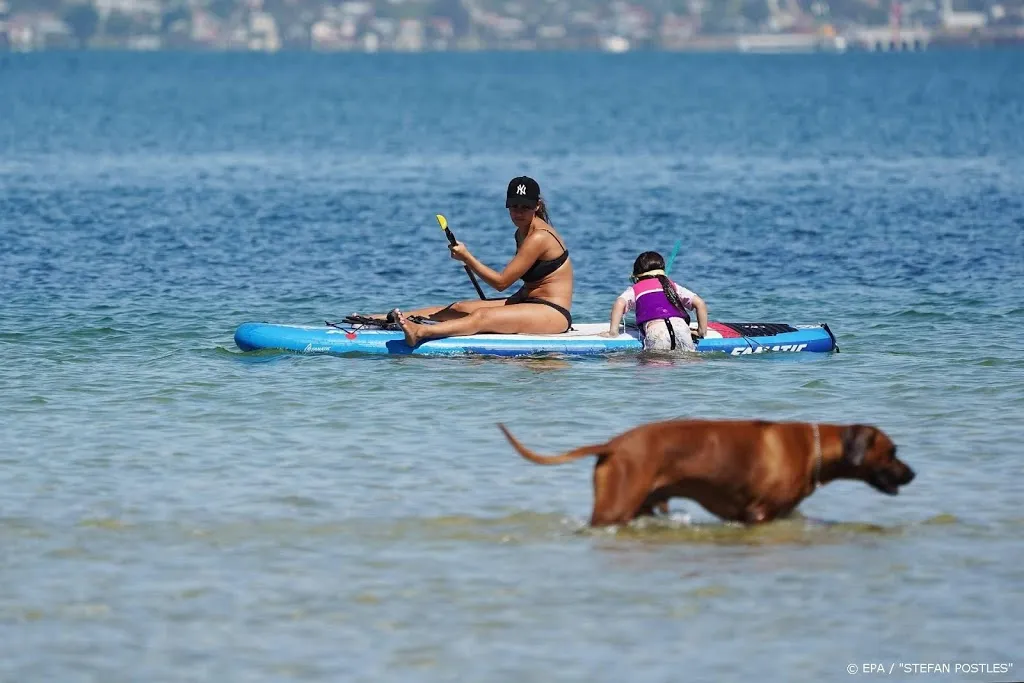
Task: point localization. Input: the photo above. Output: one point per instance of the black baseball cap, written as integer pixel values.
(522, 191)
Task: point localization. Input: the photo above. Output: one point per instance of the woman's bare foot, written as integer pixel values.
(411, 329)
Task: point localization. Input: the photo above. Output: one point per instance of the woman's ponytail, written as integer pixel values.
(542, 210)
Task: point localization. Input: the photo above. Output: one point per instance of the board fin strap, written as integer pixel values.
(364, 321)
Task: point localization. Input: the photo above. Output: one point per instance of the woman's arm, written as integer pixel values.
(528, 253)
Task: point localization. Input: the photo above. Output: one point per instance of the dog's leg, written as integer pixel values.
(616, 499)
(652, 505)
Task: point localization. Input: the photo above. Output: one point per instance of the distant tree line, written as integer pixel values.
(85, 23)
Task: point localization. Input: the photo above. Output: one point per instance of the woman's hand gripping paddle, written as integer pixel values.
(443, 222)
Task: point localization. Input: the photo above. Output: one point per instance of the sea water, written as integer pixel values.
(174, 509)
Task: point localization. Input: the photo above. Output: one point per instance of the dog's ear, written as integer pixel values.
(857, 439)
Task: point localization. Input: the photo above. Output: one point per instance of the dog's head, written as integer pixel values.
(872, 454)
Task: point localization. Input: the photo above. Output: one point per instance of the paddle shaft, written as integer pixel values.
(672, 258)
(472, 277)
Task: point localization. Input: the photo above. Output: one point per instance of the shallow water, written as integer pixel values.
(175, 509)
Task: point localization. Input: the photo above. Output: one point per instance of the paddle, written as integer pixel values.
(443, 222)
(672, 258)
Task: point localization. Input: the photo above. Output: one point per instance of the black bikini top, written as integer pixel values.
(541, 268)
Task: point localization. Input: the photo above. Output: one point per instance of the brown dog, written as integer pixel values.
(742, 471)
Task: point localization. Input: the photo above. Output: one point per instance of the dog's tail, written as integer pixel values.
(575, 454)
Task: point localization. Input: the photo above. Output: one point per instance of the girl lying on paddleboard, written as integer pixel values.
(662, 307)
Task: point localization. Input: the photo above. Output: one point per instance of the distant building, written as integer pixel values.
(263, 33)
(615, 44)
(411, 36)
(27, 32)
(4, 41)
(130, 7)
(961, 21)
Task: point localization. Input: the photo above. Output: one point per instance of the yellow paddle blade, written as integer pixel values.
(442, 221)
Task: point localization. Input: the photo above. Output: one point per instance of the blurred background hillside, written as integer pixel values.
(428, 25)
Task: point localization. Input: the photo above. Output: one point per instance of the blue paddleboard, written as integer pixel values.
(735, 339)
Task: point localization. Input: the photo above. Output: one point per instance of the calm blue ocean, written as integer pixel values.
(174, 509)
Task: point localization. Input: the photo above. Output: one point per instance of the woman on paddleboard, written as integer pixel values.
(662, 307)
(540, 306)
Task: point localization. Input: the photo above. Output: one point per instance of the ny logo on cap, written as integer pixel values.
(521, 189)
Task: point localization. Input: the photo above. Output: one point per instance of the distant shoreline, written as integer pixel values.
(938, 46)
(428, 26)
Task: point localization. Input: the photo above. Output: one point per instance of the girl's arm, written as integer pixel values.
(702, 315)
(697, 304)
(618, 308)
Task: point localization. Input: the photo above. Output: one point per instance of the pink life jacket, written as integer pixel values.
(653, 304)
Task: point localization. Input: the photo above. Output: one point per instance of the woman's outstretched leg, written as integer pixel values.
(453, 311)
(513, 319)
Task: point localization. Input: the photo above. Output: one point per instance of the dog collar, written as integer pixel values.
(816, 480)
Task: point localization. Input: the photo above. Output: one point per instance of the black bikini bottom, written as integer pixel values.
(535, 300)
